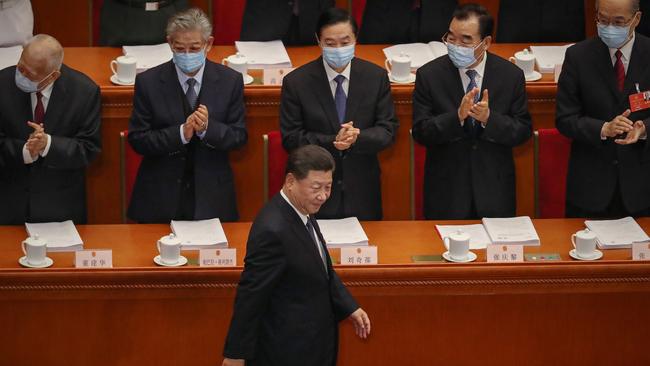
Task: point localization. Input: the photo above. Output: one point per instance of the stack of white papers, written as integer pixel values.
(200, 234)
(9, 56)
(264, 55)
(343, 232)
(615, 234)
(511, 230)
(547, 57)
(60, 236)
(420, 53)
(148, 56)
(479, 238)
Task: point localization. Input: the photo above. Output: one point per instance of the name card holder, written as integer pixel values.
(96, 258)
(226, 257)
(641, 251)
(505, 253)
(359, 256)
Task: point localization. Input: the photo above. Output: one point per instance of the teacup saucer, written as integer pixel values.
(117, 81)
(534, 76)
(596, 255)
(248, 79)
(181, 262)
(46, 263)
(471, 257)
(409, 80)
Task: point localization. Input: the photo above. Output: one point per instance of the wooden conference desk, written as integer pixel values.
(534, 313)
(262, 116)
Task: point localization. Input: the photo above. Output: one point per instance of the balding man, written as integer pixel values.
(609, 171)
(49, 133)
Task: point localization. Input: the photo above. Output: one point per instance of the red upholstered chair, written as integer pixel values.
(551, 164)
(97, 7)
(129, 164)
(275, 162)
(358, 6)
(418, 156)
(227, 19)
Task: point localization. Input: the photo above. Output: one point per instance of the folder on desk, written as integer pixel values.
(343, 233)
(617, 234)
(59, 236)
(264, 55)
(547, 57)
(420, 53)
(148, 57)
(9, 56)
(511, 231)
(200, 234)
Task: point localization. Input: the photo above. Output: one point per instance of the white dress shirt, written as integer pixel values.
(331, 74)
(182, 79)
(304, 219)
(478, 79)
(45, 99)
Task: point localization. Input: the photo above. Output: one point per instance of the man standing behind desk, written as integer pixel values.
(289, 299)
(609, 167)
(470, 109)
(49, 133)
(343, 104)
(187, 114)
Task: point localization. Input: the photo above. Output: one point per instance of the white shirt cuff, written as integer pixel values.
(27, 157)
(185, 142)
(47, 146)
(202, 134)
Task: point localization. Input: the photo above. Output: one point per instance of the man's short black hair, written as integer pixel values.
(333, 16)
(485, 20)
(307, 158)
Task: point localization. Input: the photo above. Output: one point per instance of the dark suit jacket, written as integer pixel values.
(268, 20)
(154, 133)
(395, 21)
(587, 97)
(308, 116)
(541, 21)
(459, 166)
(54, 187)
(287, 307)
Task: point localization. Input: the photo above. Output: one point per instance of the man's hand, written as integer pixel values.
(361, 323)
(481, 110)
(37, 140)
(467, 103)
(638, 131)
(201, 117)
(619, 125)
(232, 362)
(347, 136)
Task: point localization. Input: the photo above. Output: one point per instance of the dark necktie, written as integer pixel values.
(472, 84)
(39, 111)
(191, 93)
(619, 69)
(312, 234)
(339, 98)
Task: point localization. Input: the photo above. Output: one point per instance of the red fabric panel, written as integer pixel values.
(227, 19)
(358, 6)
(97, 7)
(277, 162)
(552, 163)
(419, 157)
(132, 162)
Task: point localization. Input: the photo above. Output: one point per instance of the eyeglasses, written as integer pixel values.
(447, 38)
(618, 21)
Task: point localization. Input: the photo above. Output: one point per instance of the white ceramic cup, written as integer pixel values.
(525, 61)
(124, 69)
(34, 249)
(458, 245)
(584, 241)
(169, 247)
(237, 62)
(399, 67)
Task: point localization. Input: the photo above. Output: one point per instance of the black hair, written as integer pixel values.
(307, 158)
(485, 20)
(333, 16)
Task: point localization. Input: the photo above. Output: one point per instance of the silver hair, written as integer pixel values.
(635, 6)
(188, 20)
(49, 49)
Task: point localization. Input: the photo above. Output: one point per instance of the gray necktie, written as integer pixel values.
(472, 84)
(191, 93)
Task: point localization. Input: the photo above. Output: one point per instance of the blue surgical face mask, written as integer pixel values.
(25, 84)
(613, 36)
(189, 62)
(462, 57)
(338, 57)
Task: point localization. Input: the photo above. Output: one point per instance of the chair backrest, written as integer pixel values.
(96, 9)
(129, 165)
(227, 20)
(552, 151)
(418, 156)
(358, 7)
(275, 162)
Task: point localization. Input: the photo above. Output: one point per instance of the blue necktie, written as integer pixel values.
(339, 98)
(472, 84)
(191, 93)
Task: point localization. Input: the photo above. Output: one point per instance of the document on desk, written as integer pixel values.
(200, 234)
(617, 234)
(511, 230)
(420, 53)
(60, 236)
(9, 56)
(343, 232)
(478, 237)
(547, 57)
(264, 55)
(148, 56)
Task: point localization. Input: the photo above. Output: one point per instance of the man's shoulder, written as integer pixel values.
(77, 79)
(301, 72)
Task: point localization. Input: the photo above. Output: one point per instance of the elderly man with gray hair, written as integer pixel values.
(49, 133)
(187, 115)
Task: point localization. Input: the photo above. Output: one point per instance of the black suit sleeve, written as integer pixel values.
(264, 264)
(342, 301)
(11, 150)
(79, 150)
(231, 133)
(515, 127)
(375, 139)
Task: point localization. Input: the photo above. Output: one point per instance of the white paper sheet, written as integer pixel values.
(547, 57)
(149, 56)
(263, 55)
(511, 230)
(60, 236)
(9, 56)
(200, 234)
(621, 233)
(343, 232)
(479, 238)
(420, 53)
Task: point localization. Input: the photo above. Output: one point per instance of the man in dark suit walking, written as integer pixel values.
(470, 109)
(343, 104)
(609, 166)
(290, 299)
(188, 114)
(49, 134)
